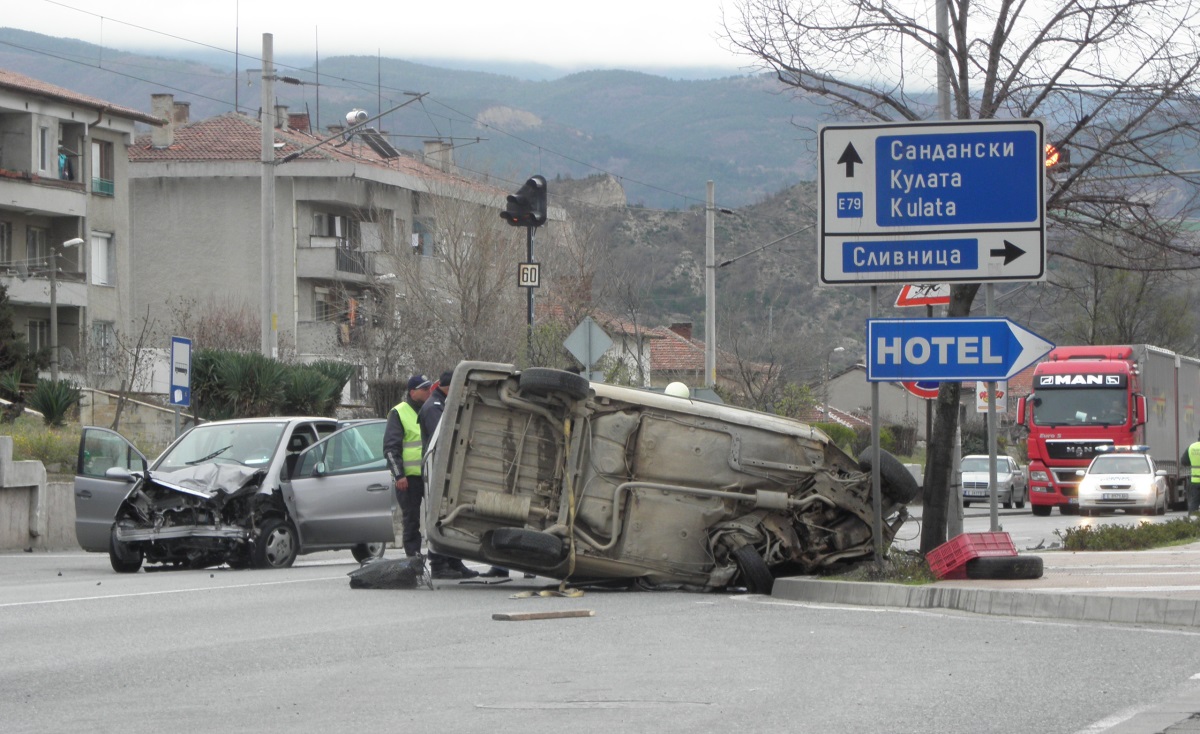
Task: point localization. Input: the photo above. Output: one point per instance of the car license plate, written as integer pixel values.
(1114, 496)
(975, 493)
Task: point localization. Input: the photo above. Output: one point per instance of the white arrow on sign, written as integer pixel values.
(949, 350)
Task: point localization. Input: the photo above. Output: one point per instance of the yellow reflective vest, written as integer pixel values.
(1194, 460)
(410, 455)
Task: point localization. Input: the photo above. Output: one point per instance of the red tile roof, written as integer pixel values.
(236, 137)
(28, 85)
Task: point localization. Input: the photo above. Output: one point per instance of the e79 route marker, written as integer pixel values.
(956, 201)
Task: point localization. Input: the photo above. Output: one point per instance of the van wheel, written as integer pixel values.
(543, 381)
(898, 484)
(1005, 567)
(1041, 510)
(755, 573)
(277, 545)
(530, 546)
(121, 556)
(364, 552)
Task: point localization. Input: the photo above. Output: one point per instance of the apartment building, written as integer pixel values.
(64, 211)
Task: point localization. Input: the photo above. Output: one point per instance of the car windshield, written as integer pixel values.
(252, 444)
(1119, 465)
(1080, 407)
(980, 464)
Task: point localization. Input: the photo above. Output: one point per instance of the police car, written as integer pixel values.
(1123, 478)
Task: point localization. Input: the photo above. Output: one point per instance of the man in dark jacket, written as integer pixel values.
(440, 566)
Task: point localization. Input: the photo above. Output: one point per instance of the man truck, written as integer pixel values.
(1092, 396)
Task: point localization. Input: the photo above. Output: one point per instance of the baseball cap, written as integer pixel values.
(418, 382)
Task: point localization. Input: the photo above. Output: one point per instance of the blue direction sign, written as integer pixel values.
(181, 371)
(949, 350)
(931, 202)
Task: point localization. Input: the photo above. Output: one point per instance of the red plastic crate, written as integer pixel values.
(949, 560)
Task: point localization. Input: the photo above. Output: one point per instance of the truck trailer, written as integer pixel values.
(1091, 396)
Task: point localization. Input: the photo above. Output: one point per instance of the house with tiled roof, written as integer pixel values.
(64, 179)
(346, 206)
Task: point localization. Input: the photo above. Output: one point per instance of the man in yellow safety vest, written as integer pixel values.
(402, 447)
(1193, 490)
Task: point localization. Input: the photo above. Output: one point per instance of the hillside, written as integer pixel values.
(663, 138)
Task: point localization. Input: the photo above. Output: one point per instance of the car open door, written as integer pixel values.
(341, 491)
(103, 478)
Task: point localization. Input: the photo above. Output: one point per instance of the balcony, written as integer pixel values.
(42, 196)
(102, 187)
(26, 290)
(334, 263)
(328, 338)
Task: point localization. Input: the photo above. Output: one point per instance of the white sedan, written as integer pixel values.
(1123, 481)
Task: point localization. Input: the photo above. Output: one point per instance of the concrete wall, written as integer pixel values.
(34, 513)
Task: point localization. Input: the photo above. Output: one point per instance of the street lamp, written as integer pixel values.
(54, 252)
(825, 382)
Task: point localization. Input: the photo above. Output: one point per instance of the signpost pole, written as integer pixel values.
(529, 297)
(876, 484)
(991, 431)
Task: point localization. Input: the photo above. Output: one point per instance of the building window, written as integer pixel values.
(104, 346)
(37, 333)
(422, 240)
(43, 148)
(104, 259)
(37, 247)
(6, 248)
(102, 167)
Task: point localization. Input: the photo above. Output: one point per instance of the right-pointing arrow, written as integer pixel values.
(1009, 252)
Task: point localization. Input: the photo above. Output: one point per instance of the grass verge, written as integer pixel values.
(1131, 537)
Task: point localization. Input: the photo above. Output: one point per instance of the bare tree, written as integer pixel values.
(459, 295)
(1116, 83)
(133, 361)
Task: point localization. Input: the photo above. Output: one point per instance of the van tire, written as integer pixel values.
(756, 576)
(1005, 567)
(543, 381)
(530, 546)
(1041, 510)
(898, 484)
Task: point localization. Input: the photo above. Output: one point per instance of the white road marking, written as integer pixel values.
(167, 591)
(1112, 720)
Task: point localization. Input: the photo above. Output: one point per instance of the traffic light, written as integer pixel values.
(527, 207)
(1058, 157)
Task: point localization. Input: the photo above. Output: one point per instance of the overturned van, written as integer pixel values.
(541, 471)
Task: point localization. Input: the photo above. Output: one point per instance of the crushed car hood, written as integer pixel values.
(210, 481)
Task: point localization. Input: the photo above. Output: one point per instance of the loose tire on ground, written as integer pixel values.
(898, 484)
(543, 381)
(277, 544)
(123, 558)
(528, 546)
(368, 551)
(755, 574)
(1005, 567)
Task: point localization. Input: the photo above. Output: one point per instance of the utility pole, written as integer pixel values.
(270, 333)
(710, 288)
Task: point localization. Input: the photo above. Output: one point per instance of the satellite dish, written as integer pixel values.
(356, 116)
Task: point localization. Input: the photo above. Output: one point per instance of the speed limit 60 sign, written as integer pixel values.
(528, 275)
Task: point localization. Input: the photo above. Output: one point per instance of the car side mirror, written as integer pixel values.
(319, 469)
(1080, 472)
(119, 473)
(1162, 473)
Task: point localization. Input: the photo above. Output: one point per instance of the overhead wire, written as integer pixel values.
(356, 84)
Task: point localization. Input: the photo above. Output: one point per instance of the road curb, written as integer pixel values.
(1001, 602)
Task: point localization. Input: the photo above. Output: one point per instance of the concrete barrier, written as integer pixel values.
(34, 513)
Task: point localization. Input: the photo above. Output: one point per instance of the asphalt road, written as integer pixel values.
(298, 650)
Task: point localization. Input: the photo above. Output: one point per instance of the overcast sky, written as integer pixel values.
(630, 34)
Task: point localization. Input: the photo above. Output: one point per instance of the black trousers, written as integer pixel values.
(410, 515)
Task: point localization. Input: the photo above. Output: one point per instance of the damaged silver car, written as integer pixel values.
(541, 471)
(247, 493)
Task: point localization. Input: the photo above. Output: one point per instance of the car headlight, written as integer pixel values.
(1039, 476)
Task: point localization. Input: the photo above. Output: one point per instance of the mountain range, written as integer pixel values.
(662, 138)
